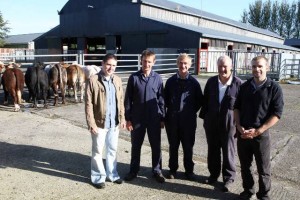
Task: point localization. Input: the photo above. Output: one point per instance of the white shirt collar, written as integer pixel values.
(228, 82)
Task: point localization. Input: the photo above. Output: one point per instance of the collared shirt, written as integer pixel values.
(222, 88)
(144, 100)
(258, 86)
(111, 111)
(256, 105)
(179, 77)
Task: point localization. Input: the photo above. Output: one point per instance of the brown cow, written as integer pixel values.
(58, 80)
(13, 84)
(76, 77)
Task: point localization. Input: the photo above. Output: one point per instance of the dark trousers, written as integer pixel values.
(218, 141)
(184, 134)
(137, 139)
(258, 147)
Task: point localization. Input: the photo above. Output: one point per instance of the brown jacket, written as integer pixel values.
(95, 101)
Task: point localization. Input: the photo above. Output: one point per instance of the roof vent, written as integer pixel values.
(134, 1)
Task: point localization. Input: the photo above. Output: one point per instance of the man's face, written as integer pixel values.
(147, 63)
(109, 67)
(224, 68)
(259, 69)
(183, 66)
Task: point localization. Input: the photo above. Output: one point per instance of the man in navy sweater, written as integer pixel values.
(144, 111)
(258, 107)
(183, 99)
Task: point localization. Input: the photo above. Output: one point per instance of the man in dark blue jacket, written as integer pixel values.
(144, 111)
(258, 107)
(183, 98)
(217, 112)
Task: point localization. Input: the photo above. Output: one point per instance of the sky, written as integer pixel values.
(39, 16)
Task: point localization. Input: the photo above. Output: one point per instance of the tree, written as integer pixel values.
(274, 17)
(244, 16)
(290, 21)
(297, 22)
(282, 18)
(266, 15)
(4, 29)
(255, 13)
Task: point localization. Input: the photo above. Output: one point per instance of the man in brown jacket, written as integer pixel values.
(104, 110)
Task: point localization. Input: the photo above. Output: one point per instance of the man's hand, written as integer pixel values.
(129, 126)
(251, 133)
(93, 131)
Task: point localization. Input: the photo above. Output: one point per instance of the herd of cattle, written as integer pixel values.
(40, 78)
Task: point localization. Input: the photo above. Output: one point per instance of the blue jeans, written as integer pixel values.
(108, 138)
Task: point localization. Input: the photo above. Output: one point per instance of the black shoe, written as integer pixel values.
(118, 181)
(245, 195)
(210, 181)
(130, 176)
(159, 178)
(190, 176)
(226, 187)
(171, 175)
(99, 185)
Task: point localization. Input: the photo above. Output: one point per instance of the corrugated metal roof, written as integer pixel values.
(193, 11)
(292, 42)
(22, 38)
(210, 33)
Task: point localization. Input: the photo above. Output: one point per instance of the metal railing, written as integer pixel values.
(241, 61)
(127, 63)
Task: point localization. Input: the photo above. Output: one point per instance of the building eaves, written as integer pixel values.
(210, 33)
(169, 5)
(22, 38)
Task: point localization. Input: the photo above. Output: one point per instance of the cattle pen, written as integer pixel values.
(282, 65)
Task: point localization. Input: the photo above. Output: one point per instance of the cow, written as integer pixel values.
(13, 84)
(76, 77)
(58, 80)
(90, 70)
(37, 82)
(1, 71)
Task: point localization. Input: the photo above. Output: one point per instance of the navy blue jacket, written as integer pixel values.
(219, 117)
(183, 99)
(144, 100)
(257, 105)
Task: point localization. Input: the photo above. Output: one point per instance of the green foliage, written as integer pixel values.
(282, 18)
(4, 29)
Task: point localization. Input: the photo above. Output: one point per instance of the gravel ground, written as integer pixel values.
(45, 154)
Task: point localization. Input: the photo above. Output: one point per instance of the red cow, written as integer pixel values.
(13, 84)
(58, 80)
(76, 77)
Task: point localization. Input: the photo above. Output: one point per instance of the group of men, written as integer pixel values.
(232, 112)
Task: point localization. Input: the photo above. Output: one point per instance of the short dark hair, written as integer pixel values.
(147, 53)
(109, 56)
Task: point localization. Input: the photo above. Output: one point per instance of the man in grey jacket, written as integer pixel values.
(104, 110)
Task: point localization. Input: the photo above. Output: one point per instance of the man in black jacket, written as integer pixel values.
(217, 112)
(258, 107)
(183, 99)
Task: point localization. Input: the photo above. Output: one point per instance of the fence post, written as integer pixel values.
(79, 57)
(139, 62)
(234, 62)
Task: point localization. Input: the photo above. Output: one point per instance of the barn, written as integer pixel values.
(166, 27)
(129, 26)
